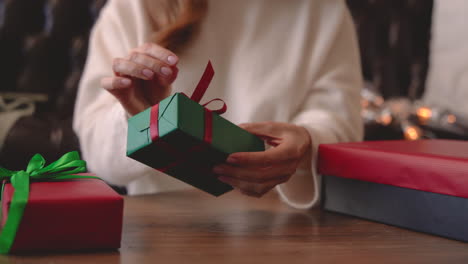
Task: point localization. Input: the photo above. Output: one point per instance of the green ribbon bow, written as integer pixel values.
(62, 169)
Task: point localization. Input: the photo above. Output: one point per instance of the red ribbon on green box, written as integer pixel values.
(62, 169)
(196, 96)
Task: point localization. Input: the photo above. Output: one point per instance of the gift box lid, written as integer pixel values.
(178, 112)
(70, 191)
(438, 166)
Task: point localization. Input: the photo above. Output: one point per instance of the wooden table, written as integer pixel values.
(192, 227)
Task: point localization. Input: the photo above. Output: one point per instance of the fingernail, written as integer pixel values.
(232, 160)
(172, 60)
(148, 73)
(166, 71)
(218, 170)
(125, 82)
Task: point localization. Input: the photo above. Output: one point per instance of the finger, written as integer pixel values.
(159, 88)
(252, 189)
(157, 66)
(125, 67)
(155, 90)
(133, 102)
(252, 194)
(110, 83)
(268, 129)
(167, 80)
(255, 174)
(286, 151)
(159, 53)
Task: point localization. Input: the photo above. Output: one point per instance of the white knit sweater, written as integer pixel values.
(286, 61)
(447, 80)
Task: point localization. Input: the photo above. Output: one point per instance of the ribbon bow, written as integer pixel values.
(62, 169)
(208, 115)
(203, 86)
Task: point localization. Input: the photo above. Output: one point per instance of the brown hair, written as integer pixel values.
(175, 22)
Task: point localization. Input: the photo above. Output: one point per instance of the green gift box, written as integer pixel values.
(185, 140)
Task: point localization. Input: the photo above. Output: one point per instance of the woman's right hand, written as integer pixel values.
(143, 77)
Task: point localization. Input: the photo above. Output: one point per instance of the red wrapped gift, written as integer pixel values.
(420, 185)
(67, 212)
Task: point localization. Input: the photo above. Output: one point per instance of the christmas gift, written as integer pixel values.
(185, 140)
(55, 208)
(419, 185)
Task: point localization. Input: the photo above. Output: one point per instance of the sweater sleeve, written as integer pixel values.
(99, 120)
(331, 112)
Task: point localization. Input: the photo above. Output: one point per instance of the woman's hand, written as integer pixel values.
(255, 173)
(143, 77)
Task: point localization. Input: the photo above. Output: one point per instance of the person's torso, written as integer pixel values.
(260, 51)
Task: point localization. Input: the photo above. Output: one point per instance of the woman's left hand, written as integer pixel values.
(255, 173)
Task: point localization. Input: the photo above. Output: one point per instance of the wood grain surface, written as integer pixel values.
(193, 227)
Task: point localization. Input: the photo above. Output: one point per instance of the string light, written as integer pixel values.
(412, 133)
(451, 119)
(424, 114)
(413, 117)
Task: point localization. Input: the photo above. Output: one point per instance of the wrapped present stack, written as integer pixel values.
(185, 140)
(419, 185)
(57, 208)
